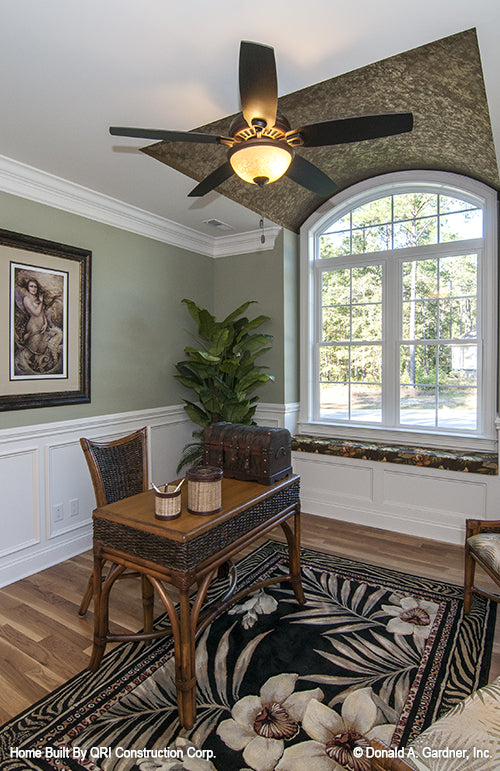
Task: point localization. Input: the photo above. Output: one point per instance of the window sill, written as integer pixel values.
(450, 460)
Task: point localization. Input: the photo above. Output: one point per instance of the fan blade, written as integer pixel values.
(170, 136)
(213, 180)
(308, 175)
(258, 83)
(338, 132)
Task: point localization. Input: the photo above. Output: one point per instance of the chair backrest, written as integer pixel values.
(119, 468)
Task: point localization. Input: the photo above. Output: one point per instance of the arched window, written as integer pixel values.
(399, 310)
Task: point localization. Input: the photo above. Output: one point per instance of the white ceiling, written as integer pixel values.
(70, 69)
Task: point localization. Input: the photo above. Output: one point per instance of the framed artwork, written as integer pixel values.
(45, 322)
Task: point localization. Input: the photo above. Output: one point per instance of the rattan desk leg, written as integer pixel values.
(293, 539)
(185, 678)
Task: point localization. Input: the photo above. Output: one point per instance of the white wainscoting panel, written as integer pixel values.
(428, 503)
(20, 499)
(47, 495)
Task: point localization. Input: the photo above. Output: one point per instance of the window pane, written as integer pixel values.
(458, 364)
(461, 226)
(418, 405)
(335, 245)
(458, 275)
(337, 323)
(418, 364)
(334, 401)
(409, 206)
(420, 320)
(366, 363)
(463, 318)
(374, 213)
(367, 284)
(334, 363)
(366, 403)
(415, 232)
(372, 239)
(367, 322)
(420, 279)
(336, 287)
(457, 408)
(449, 204)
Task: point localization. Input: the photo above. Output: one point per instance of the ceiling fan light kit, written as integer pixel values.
(261, 145)
(260, 161)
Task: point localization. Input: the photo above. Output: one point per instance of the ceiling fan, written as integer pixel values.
(261, 143)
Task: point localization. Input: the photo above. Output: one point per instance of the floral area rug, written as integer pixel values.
(280, 686)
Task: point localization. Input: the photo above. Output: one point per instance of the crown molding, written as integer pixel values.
(36, 185)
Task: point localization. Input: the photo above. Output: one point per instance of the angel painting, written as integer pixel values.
(38, 302)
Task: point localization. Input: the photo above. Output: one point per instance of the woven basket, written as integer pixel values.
(204, 489)
(168, 502)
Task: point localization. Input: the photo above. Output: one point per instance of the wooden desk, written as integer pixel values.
(183, 552)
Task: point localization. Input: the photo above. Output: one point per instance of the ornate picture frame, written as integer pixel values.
(45, 327)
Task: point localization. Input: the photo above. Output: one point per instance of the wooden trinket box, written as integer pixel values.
(253, 453)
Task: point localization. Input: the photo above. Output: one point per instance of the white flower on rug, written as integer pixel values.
(186, 760)
(260, 725)
(253, 607)
(337, 739)
(411, 616)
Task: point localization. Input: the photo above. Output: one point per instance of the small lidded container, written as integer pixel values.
(204, 489)
(168, 501)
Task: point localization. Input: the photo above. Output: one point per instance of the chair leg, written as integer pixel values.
(89, 591)
(470, 569)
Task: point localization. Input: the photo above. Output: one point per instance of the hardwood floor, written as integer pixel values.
(44, 642)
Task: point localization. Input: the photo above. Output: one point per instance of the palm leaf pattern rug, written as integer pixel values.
(280, 686)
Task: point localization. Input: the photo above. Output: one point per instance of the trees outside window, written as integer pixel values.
(399, 284)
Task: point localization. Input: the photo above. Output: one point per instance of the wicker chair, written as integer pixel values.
(118, 469)
(482, 547)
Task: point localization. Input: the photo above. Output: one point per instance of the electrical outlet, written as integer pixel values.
(58, 512)
(74, 507)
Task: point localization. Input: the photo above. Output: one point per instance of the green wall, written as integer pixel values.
(270, 277)
(139, 325)
(138, 330)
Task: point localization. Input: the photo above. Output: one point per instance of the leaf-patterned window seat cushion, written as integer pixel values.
(451, 460)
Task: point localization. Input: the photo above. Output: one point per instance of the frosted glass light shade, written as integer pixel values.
(260, 161)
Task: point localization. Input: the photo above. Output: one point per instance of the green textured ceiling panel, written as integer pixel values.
(441, 83)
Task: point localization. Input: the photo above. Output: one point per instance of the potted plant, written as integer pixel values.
(222, 371)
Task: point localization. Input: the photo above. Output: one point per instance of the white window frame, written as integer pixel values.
(445, 183)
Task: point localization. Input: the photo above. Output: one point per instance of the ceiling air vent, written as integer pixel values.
(218, 224)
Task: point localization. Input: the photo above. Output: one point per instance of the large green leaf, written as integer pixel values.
(197, 354)
(252, 343)
(234, 315)
(251, 325)
(204, 319)
(220, 339)
(252, 381)
(196, 414)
